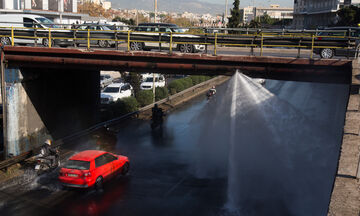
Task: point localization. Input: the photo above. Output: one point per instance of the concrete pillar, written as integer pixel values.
(41, 104)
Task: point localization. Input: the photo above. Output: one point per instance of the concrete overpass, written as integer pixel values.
(53, 92)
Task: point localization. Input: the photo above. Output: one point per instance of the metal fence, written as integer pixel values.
(138, 40)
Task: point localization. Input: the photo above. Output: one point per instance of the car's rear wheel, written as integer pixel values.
(99, 183)
(5, 41)
(125, 169)
(186, 48)
(45, 42)
(103, 43)
(327, 53)
(136, 46)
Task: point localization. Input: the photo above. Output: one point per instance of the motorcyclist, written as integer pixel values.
(211, 91)
(157, 114)
(49, 152)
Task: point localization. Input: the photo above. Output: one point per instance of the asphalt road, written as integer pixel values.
(159, 183)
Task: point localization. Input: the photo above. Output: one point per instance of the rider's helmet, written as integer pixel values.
(213, 87)
(155, 106)
(48, 142)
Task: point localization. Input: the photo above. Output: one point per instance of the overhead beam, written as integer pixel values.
(282, 68)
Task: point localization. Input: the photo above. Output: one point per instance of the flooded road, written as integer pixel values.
(190, 168)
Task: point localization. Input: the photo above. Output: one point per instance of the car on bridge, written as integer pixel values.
(91, 168)
(339, 34)
(115, 92)
(164, 30)
(98, 29)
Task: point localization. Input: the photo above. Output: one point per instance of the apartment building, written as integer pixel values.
(311, 14)
(274, 11)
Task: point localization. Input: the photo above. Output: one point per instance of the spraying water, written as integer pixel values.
(278, 154)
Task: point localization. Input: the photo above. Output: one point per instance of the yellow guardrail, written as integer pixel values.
(216, 39)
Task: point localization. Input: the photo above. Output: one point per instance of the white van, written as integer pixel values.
(29, 21)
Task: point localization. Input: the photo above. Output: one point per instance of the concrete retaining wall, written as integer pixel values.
(345, 199)
(41, 104)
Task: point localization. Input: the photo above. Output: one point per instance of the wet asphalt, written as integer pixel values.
(165, 177)
(160, 181)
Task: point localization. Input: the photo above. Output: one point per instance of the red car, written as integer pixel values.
(92, 168)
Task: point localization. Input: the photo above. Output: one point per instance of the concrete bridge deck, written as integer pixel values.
(281, 68)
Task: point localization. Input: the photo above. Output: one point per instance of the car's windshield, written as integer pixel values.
(178, 30)
(150, 79)
(102, 77)
(111, 89)
(46, 22)
(108, 27)
(77, 164)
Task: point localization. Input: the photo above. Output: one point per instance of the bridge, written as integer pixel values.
(39, 82)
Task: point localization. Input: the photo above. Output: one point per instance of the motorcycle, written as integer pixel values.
(210, 93)
(157, 120)
(43, 164)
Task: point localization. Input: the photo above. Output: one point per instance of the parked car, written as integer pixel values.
(336, 34)
(148, 83)
(164, 29)
(116, 91)
(105, 80)
(95, 28)
(91, 168)
(21, 21)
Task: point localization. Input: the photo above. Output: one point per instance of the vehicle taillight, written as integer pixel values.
(87, 174)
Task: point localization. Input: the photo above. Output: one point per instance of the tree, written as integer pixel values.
(349, 16)
(93, 9)
(234, 20)
(135, 81)
(130, 22)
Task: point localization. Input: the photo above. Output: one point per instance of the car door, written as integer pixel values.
(127, 92)
(103, 168)
(28, 23)
(112, 161)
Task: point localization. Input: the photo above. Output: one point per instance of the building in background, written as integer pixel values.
(274, 11)
(106, 5)
(311, 14)
(60, 11)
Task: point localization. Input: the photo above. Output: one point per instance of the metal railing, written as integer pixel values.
(138, 40)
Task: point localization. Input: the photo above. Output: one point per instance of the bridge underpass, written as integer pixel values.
(53, 92)
(43, 88)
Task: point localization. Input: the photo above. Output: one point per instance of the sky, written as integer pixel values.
(283, 3)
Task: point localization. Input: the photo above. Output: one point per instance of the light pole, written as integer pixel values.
(155, 10)
(226, 11)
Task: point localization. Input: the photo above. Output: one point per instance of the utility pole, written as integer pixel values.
(155, 10)
(226, 12)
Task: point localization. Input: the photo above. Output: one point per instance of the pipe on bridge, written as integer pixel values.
(294, 69)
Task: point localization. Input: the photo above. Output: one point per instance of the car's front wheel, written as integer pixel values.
(327, 53)
(136, 46)
(125, 169)
(99, 183)
(186, 48)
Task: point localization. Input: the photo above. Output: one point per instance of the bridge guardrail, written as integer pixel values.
(309, 40)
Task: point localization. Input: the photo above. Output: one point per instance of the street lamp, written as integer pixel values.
(226, 11)
(155, 10)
